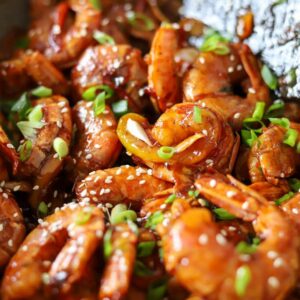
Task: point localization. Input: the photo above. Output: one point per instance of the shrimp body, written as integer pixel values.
(55, 255)
(121, 67)
(119, 185)
(96, 144)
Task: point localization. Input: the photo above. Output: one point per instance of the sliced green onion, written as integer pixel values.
(197, 115)
(43, 209)
(96, 4)
(284, 198)
(157, 290)
(25, 150)
(154, 219)
(193, 194)
(103, 38)
(145, 248)
(170, 199)
(166, 152)
(141, 270)
(22, 43)
(283, 122)
(107, 244)
(91, 93)
(298, 148)
(275, 110)
(242, 280)
(36, 115)
(259, 110)
(253, 124)
(292, 77)
(118, 209)
(137, 19)
(269, 78)
(127, 215)
(222, 214)
(248, 137)
(41, 92)
(120, 108)
(99, 104)
(245, 248)
(278, 2)
(256, 241)
(61, 147)
(83, 217)
(216, 43)
(29, 129)
(291, 137)
(22, 106)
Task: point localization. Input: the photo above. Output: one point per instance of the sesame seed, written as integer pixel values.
(185, 261)
(205, 132)
(251, 90)
(108, 179)
(36, 187)
(5, 195)
(272, 254)
(203, 239)
(231, 57)
(130, 177)
(230, 70)
(220, 239)
(64, 110)
(25, 248)
(245, 205)
(10, 243)
(273, 282)
(150, 172)
(89, 156)
(237, 115)
(1, 227)
(16, 188)
(119, 171)
(239, 67)
(278, 262)
(10, 146)
(55, 193)
(230, 194)
(202, 60)
(295, 211)
(213, 183)
(141, 182)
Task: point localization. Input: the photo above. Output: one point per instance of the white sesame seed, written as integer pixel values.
(237, 115)
(202, 60)
(230, 70)
(5, 195)
(150, 172)
(278, 262)
(213, 183)
(141, 182)
(10, 243)
(295, 211)
(239, 67)
(88, 156)
(16, 188)
(10, 146)
(245, 205)
(130, 177)
(1, 227)
(204, 131)
(108, 179)
(251, 90)
(36, 187)
(119, 171)
(55, 193)
(273, 282)
(272, 254)
(64, 110)
(230, 194)
(203, 239)
(25, 248)
(185, 261)
(231, 57)
(220, 239)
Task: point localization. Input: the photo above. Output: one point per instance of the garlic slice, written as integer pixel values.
(138, 131)
(188, 142)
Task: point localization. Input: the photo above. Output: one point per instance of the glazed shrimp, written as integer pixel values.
(121, 67)
(163, 81)
(118, 270)
(59, 38)
(272, 268)
(28, 69)
(54, 256)
(270, 159)
(12, 226)
(44, 164)
(213, 75)
(96, 143)
(209, 142)
(119, 185)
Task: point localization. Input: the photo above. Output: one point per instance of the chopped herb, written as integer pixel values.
(256, 241)
(215, 43)
(197, 115)
(298, 148)
(242, 280)
(291, 137)
(25, 150)
(245, 248)
(43, 209)
(253, 124)
(157, 290)
(284, 198)
(96, 4)
(269, 78)
(140, 21)
(145, 248)
(29, 129)
(193, 194)
(222, 214)
(141, 270)
(275, 110)
(83, 217)
(99, 104)
(292, 77)
(107, 245)
(259, 110)
(125, 216)
(22, 106)
(91, 93)
(166, 152)
(283, 122)
(103, 38)
(61, 147)
(170, 199)
(154, 219)
(36, 114)
(41, 92)
(248, 137)
(120, 108)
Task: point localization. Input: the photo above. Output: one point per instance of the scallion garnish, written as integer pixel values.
(103, 38)
(197, 115)
(259, 110)
(222, 214)
(99, 104)
(275, 110)
(284, 198)
(41, 92)
(140, 21)
(253, 124)
(22, 106)
(248, 137)
(29, 129)
(269, 78)
(283, 122)
(157, 290)
(245, 248)
(170, 199)
(43, 209)
(291, 137)
(294, 184)
(36, 114)
(242, 280)
(298, 148)
(107, 245)
(83, 217)
(154, 219)
(120, 108)
(91, 93)
(141, 270)
(193, 194)
(96, 4)
(216, 43)
(166, 152)
(61, 147)
(145, 248)
(125, 216)
(25, 150)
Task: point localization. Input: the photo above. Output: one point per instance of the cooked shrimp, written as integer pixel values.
(272, 269)
(208, 142)
(270, 159)
(213, 76)
(28, 69)
(59, 38)
(292, 208)
(162, 77)
(118, 270)
(129, 185)
(54, 256)
(44, 164)
(121, 67)
(96, 143)
(12, 226)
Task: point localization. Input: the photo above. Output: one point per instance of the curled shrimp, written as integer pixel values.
(11, 225)
(43, 164)
(211, 80)
(96, 143)
(121, 67)
(55, 255)
(162, 77)
(270, 159)
(209, 142)
(119, 185)
(272, 269)
(58, 38)
(28, 69)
